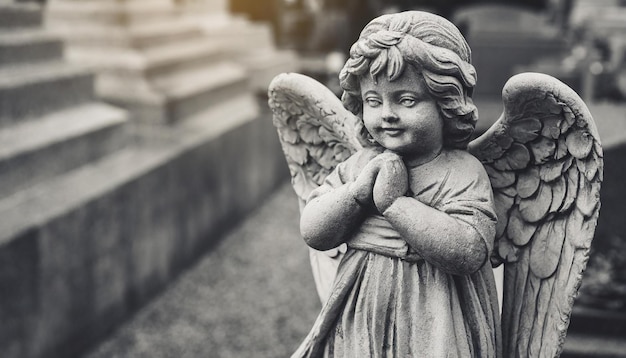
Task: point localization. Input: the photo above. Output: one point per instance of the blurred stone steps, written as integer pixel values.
(160, 73)
(40, 204)
(34, 89)
(141, 36)
(250, 44)
(149, 64)
(34, 151)
(149, 35)
(196, 90)
(126, 12)
(265, 64)
(183, 93)
(28, 45)
(235, 33)
(16, 16)
(181, 55)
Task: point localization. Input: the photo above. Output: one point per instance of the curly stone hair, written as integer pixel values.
(431, 44)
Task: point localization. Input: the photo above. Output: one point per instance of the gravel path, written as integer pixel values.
(252, 296)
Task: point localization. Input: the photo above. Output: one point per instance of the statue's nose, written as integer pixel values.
(388, 114)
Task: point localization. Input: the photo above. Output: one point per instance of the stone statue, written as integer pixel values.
(409, 216)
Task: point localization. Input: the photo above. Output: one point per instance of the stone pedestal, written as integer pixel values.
(250, 44)
(149, 59)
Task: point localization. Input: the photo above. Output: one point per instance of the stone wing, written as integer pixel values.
(315, 130)
(316, 133)
(544, 159)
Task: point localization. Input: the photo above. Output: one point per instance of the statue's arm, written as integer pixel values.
(441, 239)
(329, 219)
(336, 209)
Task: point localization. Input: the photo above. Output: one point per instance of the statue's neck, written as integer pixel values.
(418, 160)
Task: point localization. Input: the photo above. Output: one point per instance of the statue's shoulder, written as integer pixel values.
(462, 164)
(462, 158)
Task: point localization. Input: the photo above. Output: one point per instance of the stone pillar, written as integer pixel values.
(149, 59)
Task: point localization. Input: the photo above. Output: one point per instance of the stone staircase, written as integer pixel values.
(50, 122)
(100, 212)
(149, 59)
(250, 44)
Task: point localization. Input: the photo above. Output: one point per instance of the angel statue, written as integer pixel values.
(406, 216)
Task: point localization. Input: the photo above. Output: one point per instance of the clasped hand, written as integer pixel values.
(383, 180)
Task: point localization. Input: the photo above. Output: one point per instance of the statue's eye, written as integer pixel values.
(373, 102)
(407, 101)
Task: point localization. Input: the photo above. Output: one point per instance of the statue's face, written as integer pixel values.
(402, 116)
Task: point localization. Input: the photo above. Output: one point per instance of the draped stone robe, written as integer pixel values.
(387, 301)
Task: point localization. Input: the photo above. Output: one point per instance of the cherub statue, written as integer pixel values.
(409, 216)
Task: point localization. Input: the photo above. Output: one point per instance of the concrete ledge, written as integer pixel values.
(78, 255)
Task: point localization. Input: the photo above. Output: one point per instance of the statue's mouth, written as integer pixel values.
(392, 131)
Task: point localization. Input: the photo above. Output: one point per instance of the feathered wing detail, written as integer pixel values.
(316, 133)
(544, 159)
